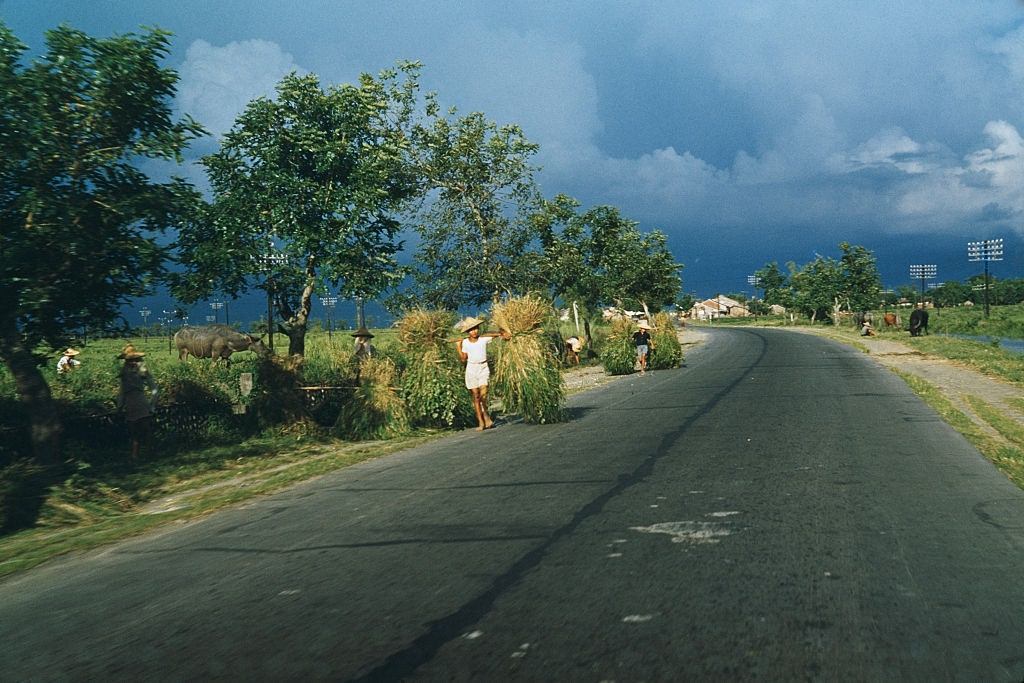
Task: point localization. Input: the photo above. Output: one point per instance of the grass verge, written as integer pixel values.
(93, 508)
(1007, 457)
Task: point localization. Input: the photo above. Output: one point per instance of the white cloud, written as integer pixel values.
(217, 82)
(989, 177)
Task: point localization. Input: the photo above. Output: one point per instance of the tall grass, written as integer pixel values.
(375, 409)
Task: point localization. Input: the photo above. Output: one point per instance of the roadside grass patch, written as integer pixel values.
(983, 357)
(93, 507)
(1009, 459)
(1009, 428)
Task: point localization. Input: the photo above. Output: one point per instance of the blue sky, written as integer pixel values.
(746, 131)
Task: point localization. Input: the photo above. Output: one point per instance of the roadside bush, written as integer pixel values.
(618, 353)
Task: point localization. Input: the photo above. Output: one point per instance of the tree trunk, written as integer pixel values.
(34, 393)
(296, 340)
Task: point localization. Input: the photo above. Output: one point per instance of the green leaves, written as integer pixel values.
(476, 230)
(322, 172)
(79, 219)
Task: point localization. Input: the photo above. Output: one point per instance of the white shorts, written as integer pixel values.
(477, 375)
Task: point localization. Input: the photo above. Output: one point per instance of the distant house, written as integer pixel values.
(709, 309)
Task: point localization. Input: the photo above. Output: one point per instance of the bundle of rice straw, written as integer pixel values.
(667, 352)
(619, 353)
(422, 327)
(526, 373)
(375, 410)
(432, 384)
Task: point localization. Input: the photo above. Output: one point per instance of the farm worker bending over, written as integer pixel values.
(68, 362)
(473, 352)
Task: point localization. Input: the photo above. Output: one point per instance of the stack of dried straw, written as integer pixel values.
(375, 409)
(668, 352)
(526, 373)
(432, 384)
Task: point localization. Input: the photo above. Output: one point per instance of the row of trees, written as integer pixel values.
(826, 286)
(312, 189)
(955, 293)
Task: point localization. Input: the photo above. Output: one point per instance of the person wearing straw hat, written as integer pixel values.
(642, 339)
(363, 347)
(473, 352)
(68, 362)
(137, 398)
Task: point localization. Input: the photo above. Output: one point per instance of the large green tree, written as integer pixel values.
(825, 287)
(475, 226)
(599, 257)
(775, 285)
(79, 219)
(306, 191)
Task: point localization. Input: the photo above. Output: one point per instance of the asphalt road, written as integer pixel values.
(779, 509)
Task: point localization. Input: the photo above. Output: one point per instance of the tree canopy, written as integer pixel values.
(825, 286)
(307, 188)
(79, 218)
(598, 257)
(475, 227)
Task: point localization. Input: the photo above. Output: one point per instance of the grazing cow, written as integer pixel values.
(918, 322)
(216, 341)
(890, 320)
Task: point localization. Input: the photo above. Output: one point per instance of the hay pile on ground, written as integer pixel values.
(667, 352)
(433, 382)
(619, 353)
(375, 410)
(526, 372)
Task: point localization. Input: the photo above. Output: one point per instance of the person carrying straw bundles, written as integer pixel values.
(473, 352)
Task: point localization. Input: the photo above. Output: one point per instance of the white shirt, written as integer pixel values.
(477, 351)
(66, 363)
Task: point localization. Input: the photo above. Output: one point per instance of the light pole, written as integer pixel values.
(329, 302)
(144, 312)
(923, 272)
(266, 263)
(755, 282)
(216, 306)
(168, 317)
(985, 250)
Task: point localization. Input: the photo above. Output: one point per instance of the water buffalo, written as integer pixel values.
(215, 341)
(918, 322)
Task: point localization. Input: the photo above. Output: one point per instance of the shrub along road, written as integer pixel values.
(781, 508)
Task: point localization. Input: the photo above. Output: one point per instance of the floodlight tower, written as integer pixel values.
(923, 272)
(985, 250)
(329, 302)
